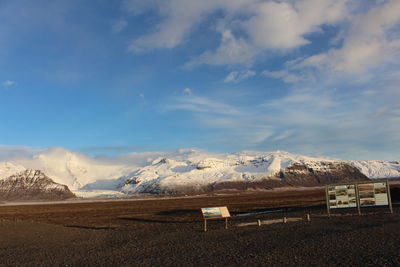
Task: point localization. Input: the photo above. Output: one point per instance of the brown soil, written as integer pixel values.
(169, 232)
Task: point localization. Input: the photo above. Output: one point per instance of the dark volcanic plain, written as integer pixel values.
(169, 232)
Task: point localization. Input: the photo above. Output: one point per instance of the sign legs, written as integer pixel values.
(358, 200)
(389, 196)
(327, 201)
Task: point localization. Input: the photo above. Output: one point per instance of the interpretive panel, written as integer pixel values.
(373, 194)
(342, 196)
(215, 212)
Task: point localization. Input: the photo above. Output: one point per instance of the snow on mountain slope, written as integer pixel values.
(7, 169)
(184, 169)
(32, 184)
(378, 168)
(194, 173)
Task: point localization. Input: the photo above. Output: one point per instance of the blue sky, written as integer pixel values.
(318, 77)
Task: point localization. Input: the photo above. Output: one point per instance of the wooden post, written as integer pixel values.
(205, 225)
(358, 200)
(389, 196)
(226, 223)
(327, 201)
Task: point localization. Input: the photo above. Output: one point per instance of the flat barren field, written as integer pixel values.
(169, 232)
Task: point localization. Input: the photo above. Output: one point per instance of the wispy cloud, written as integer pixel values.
(119, 25)
(231, 51)
(288, 77)
(200, 104)
(17, 152)
(8, 83)
(368, 42)
(250, 30)
(238, 76)
(188, 91)
(268, 25)
(316, 120)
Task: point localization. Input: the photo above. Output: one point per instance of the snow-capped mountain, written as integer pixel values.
(378, 168)
(189, 170)
(32, 184)
(238, 171)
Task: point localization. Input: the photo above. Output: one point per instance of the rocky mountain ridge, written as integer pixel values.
(32, 185)
(240, 173)
(191, 170)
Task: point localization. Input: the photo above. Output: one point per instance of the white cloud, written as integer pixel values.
(286, 76)
(369, 42)
(237, 76)
(178, 17)
(231, 51)
(202, 105)
(264, 24)
(283, 25)
(16, 152)
(118, 26)
(8, 83)
(188, 91)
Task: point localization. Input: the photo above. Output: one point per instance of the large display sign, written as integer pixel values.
(373, 194)
(342, 196)
(358, 195)
(216, 212)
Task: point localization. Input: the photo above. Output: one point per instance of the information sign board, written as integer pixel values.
(342, 196)
(358, 195)
(373, 194)
(215, 212)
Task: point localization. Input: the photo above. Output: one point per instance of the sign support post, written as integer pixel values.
(373, 193)
(215, 213)
(327, 201)
(358, 201)
(389, 196)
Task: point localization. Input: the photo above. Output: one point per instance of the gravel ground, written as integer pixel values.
(162, 235)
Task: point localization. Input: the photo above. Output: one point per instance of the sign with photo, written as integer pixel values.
(215, 212)
(373, 194)
(342, 196)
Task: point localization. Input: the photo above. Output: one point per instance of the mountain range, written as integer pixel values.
(181, 171)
